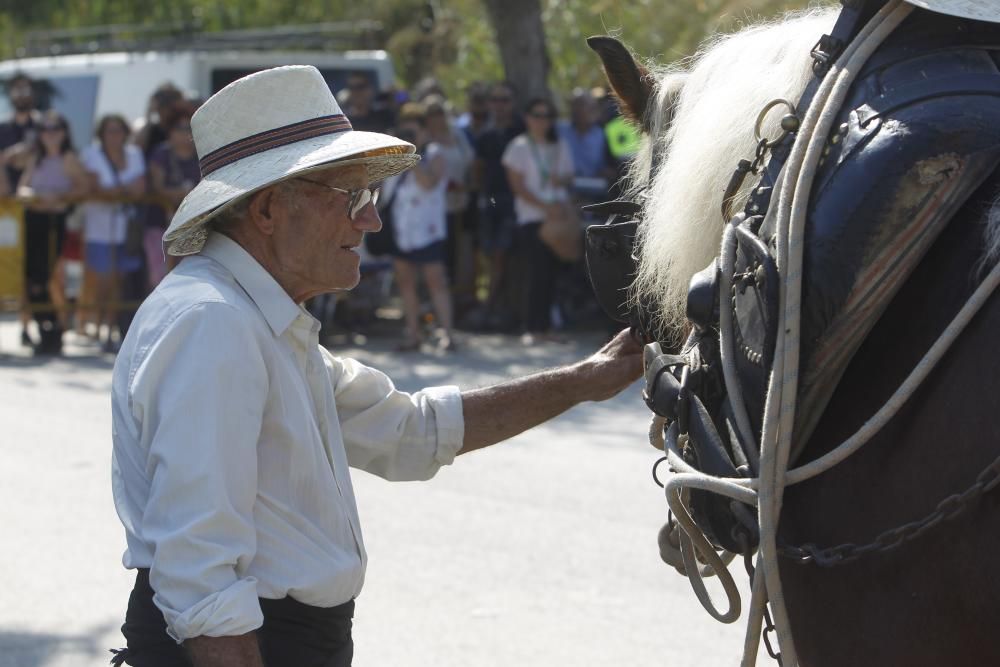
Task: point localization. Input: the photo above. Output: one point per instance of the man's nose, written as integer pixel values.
(368, 219)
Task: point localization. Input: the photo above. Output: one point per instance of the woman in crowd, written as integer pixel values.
(418, 214)
(539, 168)
(458, 156)
(113, 244)
(173, 172)
(52, 178)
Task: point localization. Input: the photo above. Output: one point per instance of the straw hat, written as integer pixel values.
(268, 127)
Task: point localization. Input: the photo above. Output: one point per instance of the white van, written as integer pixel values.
(87, 86)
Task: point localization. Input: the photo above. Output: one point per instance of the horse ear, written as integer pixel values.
(630, 81)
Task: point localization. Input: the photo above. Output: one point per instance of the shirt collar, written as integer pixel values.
(274, 303)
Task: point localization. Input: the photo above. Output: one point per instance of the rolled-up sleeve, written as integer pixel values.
(391, 433)
(200, 391)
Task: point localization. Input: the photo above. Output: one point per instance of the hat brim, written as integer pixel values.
(381, 154)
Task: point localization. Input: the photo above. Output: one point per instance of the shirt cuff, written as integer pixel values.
(230, 612)
(450, 421)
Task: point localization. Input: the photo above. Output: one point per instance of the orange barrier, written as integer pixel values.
(13, 252)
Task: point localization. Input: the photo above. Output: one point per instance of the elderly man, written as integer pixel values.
(234, 429)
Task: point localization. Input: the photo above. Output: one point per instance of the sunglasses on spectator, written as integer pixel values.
(53, 128)
(358, 198)
(542, 114)
(500, 98)
(358, 86)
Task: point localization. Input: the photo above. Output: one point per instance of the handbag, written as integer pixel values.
(134, 216)
(561, 231)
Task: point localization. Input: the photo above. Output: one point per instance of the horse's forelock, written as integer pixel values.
(704, 127)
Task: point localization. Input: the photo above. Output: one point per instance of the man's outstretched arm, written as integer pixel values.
(493, 414)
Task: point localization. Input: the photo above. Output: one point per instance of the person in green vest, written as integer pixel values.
(623, 138)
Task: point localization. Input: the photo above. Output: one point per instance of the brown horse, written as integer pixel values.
(930, 600)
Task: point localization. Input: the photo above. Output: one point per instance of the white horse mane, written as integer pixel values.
(702, 125)
(701, 122)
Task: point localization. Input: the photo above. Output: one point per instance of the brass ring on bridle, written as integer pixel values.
(784, 131)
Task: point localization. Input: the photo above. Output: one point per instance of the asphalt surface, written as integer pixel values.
(539, 551)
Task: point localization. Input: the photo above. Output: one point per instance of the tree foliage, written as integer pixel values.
(452, 40)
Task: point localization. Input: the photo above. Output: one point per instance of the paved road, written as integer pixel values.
(539, 552)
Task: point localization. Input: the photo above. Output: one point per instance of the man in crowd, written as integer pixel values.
(592, 164)
(496, 220)
(233, 429)
(363, 107)
(18, 133)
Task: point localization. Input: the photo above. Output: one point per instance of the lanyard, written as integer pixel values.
(543, 168)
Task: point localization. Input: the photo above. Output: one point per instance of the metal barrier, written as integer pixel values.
(15, 263)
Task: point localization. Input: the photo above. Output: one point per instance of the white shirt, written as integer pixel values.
(105, 222)
(540, 165)
(419, 213)
(233, 431)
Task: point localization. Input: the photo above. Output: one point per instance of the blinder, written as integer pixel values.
(611, 264)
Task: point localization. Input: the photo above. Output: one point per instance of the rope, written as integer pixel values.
(780, 407)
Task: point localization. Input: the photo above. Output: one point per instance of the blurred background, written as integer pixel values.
(464, 70)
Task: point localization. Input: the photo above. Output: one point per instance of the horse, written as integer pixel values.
(931, 599)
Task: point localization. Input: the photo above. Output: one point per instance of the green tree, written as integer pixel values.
(452, 40)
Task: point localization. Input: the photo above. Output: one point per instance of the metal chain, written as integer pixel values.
(950, 508)
(769, 628)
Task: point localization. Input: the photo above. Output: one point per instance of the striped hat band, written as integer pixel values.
(279, 136)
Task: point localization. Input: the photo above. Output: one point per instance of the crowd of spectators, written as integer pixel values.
(460, 239)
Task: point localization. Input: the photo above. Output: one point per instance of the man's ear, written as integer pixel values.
(262, 209)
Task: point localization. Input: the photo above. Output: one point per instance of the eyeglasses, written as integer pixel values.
(53, 128)
(358, 198)
(542, 115)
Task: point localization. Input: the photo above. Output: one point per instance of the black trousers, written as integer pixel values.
(43, 240)
(293, 635)
(539, 266)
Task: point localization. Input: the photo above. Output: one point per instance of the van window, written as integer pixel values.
(75, 97)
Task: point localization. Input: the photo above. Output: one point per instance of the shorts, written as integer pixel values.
(429, 254)
(98, 258)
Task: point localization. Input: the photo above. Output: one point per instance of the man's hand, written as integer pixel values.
(612, 368)
(502, 411)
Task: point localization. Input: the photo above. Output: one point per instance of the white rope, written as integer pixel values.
(885, 414)
(780, 412)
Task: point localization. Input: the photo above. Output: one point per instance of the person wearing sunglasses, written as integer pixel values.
(540, 168)
(495, 232)
(234, 430)
(173, 173)
(52, 180)
(419, 219)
